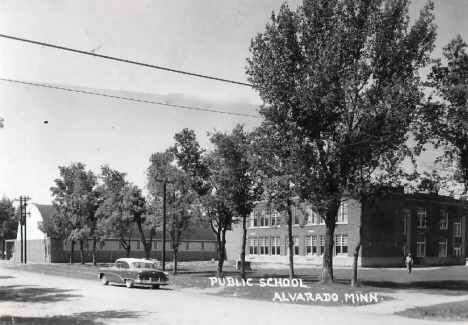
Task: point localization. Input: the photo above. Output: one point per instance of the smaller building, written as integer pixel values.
(200, 244)
(431, 227)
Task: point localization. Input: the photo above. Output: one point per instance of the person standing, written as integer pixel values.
(409, 262)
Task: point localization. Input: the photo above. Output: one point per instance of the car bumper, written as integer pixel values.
(151, 282)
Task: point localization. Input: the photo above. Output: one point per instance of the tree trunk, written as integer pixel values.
(72, 252)
(94, 250)
(174, 269)
(291, 242)
(354, 280)
(143, 241)
(327, 269)
(244, 241)
(221, 237)
(126, 246)
(81, 252)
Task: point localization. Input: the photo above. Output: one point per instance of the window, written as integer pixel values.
(311, 215)
(443, 223)
(263, 243)
(421, 221)
(295, 215)
(155, 245)
(120, 245)
(311, 245)
(202, 246)
(342, 216)
(264, 219)
(421, 247)
(275, 245)
(442, 247)
(457, 250)
(322, 244)
(138, 244)
(341, 245)
(275, 218)
(253, 219)
(406, 217)
(295, 247)
(457, 228)
(187, 246)
(253, 248)
(124, 265)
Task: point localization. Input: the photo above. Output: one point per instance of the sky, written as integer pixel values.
(209, 37)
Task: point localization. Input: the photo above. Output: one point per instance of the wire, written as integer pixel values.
(124, 60)
(127, 98)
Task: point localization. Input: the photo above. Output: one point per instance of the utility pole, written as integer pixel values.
(165, 182)
(23, 203)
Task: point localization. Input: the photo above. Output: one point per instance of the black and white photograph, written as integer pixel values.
(233, 162)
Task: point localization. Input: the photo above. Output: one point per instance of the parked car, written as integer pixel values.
(133, 271)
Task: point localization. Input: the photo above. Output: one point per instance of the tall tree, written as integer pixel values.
(342, 78)
(180, 203)
(112, 219)
(209, 177)
(445, 117)
(75, 205)
(8, 222)
(281, 171)
(242, 186)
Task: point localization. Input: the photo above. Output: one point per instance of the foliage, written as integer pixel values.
(8, 221)
(113, 221)
(210, 177)
(340, 79)
(75, 203)
(445, 117)
(241, 184)
(180, 201)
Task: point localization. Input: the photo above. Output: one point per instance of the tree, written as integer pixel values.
(242, 187)
(2, 123)
(8, 222)
(112, 219)
(341, 78)
(209, 177)
(281, 171)
(445, 121)
(181, 204)
(75, 202)
(135, 208)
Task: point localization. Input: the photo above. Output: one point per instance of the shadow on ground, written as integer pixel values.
(448, 285)
(6, 277)
(87, 318)
(34, 294)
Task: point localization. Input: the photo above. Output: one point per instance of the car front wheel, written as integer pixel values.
(104, 280)
(129, 283)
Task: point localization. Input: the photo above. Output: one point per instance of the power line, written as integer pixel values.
(127, 98)
(124, 60)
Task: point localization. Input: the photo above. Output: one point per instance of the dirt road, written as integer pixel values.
(34, 295)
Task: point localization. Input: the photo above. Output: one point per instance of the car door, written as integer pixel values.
(125, 271)
(112, 274)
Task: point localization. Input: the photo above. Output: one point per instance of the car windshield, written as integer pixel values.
(143, 265)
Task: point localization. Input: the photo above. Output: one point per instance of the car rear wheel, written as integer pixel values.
(104, 280)
(129, 283)
(155, 286)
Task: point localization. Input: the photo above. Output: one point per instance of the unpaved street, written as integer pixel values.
(38, 295)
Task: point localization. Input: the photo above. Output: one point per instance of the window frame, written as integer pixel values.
(421, 219)
(420, 243)
(444, 242)
(443, 219)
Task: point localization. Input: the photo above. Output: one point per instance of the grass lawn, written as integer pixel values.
(454, 311)
(195, 277)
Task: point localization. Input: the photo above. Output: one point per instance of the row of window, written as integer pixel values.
(272, 218)
(443, 245)
(313, 245)
(443, 221)
(183, 246)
